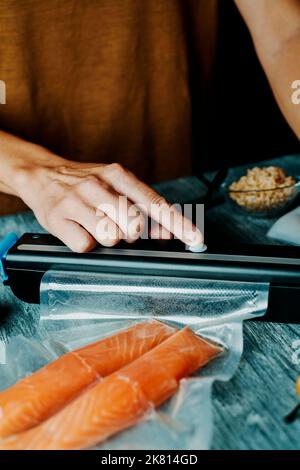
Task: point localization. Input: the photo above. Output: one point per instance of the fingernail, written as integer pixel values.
(194, 238)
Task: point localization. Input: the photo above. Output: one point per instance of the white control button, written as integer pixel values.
(198, 249)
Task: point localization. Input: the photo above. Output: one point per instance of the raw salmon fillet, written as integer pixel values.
(36, 397)
(121, 399)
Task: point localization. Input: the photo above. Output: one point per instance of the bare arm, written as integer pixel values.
(275, 29)
(83, 204)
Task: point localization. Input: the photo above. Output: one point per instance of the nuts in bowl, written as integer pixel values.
(263, 191)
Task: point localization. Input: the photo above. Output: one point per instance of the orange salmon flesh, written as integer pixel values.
(121, 399)
(36, 397)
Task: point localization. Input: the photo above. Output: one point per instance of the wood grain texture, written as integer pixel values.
(248, 410)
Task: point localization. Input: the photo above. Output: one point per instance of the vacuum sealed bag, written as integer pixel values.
(129, 361)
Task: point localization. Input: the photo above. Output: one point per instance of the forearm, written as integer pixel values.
(6, 189)
(17, 157)
(275, 29)
(6, 166)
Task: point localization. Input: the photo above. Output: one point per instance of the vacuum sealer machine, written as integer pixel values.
(24, 261)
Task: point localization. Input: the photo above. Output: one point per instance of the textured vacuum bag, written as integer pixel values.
(79, 308)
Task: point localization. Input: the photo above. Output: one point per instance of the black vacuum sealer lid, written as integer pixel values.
(32, 255)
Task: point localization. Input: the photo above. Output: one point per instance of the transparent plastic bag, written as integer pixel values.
(79, 308)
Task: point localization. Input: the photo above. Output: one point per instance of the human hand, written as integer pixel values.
(85, 204)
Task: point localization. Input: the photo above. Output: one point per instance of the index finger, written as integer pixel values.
(155, 206)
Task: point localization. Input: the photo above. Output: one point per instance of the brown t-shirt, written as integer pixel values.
(104, 80)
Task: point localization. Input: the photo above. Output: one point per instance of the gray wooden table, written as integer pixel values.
(248, 410)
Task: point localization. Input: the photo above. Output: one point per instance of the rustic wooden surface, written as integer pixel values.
(248, 410)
